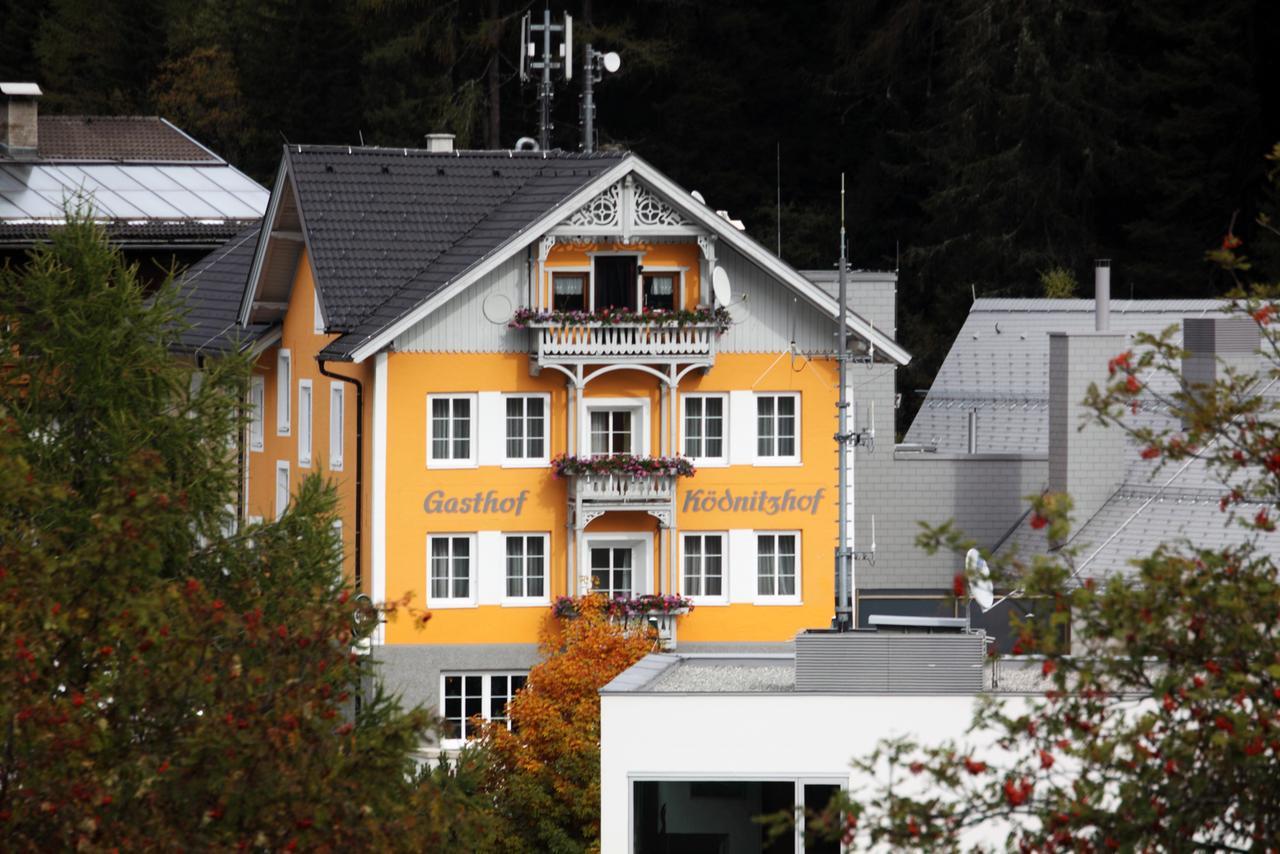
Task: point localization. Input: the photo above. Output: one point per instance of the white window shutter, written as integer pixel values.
(741, 565)
(489, 568)
(742, 428)
(491, 428)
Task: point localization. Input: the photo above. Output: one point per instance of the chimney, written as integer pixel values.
(18, 120)
(1213, 344)
(1086, 459)
(1102, 294)
(440, 142)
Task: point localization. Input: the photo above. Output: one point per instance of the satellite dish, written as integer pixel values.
(980, 588)
(497, 308)
(720, 286)
(698, 197)
(612, 62)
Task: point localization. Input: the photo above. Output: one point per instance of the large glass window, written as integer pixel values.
(469, 695)
(776, 564)
(703, 565)
(526, 427)
(776, 426)
(451, 434)
(611, 432)
(450, 568)
(526, 566)
(704, 427)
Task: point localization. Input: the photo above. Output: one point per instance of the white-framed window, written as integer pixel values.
(451, 435)
(778, 428)
(450, 578)
(612, 569)
(526, 418)
(526, 567)
(466, 696)
(337, 541)
(255, 520)
(705, 433)
(616, 425)
(317, 317)
(662, 288)
(337, 422)
(702, 567)
(284, 388)
(282, 487)
(257, 406)
(305, 432)
(778, 565)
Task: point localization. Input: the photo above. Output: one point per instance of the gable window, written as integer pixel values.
(659, 290)
(257, 402)
(777, 565)
(337, 421)
(569, 291)
(614, 281)
(703, 566)
(304, 424)
(284, 386)
(704, 433)
(465, 696)
(450, 441)
(526, 428)
(449, 569)
(282, 487)
(776, 427)
(526, 566)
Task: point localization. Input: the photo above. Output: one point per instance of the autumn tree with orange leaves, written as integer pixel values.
(544, 773)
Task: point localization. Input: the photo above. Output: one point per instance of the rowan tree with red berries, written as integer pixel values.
(168, 682)
(1160, 725)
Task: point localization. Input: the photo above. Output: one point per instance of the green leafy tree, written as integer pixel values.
(168, 683)
(1160, 725)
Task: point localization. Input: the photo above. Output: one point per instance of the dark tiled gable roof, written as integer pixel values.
(388, 227)
(146, 138)
(211, 290)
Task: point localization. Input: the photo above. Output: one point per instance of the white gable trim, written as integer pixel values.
(770, 263)
(492, 261)
(676, 195)
(260, 253)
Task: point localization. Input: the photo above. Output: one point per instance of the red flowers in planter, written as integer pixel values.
(622, 464)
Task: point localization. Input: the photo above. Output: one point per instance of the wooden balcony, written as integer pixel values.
(624, 489)
(625, 343)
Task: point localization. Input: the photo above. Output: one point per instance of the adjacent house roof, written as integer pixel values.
(211, 291)
(146, 180)
(999, 366)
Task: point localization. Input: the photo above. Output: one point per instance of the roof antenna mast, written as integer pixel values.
(844, 616)
(531, 60)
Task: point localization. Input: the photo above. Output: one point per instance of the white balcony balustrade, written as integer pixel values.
(640, 342)
(624, 489)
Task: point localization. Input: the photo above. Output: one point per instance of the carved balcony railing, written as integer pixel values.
(624, 489)
(626, 342)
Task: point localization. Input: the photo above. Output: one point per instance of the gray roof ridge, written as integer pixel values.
(493, 153)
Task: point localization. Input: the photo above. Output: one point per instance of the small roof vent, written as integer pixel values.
(440, 142)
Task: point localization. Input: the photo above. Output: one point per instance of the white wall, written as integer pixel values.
(753, 736)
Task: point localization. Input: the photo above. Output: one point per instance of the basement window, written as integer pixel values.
(466, 696)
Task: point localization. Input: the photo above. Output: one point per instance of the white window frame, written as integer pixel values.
(284, 391)
(451, 601)
(641, 556)
(306, 424)
(337, 423)
(677, 295)
(257, 412)
(703, 599)
(525, 601)
(792, 460)
(778, 598)
(707, 462)
(639, 407)
(474, 439)
(486, 697)
(528, 462)
(281, 506)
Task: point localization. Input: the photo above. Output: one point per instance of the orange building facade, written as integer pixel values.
(623, 321)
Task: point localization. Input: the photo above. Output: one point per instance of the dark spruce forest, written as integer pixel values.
(989, 145)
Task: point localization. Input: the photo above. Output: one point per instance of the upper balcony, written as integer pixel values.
(599, 484)
(623, 337)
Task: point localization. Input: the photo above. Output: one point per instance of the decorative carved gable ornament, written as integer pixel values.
(626, 210)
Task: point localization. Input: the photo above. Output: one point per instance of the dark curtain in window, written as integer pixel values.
(615, 281)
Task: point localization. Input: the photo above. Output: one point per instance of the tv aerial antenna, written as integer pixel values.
(536, 42)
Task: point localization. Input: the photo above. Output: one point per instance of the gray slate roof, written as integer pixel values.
(999, 365)
(386, 228)
(211, 291)
(121, 138)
